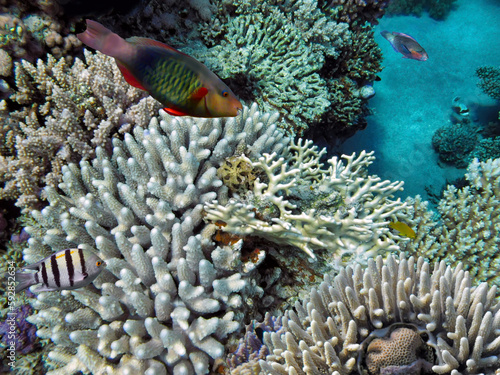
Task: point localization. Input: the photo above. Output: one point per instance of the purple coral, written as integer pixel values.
(17, 329)
(250, 346)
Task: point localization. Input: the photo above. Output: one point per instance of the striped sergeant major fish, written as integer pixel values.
(66, 269)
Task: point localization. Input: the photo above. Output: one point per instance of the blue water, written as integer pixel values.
(414, 97)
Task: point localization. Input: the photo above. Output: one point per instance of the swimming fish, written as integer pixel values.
(403, 229)
(183, 84)
(65, 269)
(406, 45)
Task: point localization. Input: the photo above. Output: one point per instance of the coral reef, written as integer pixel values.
(455, 143)
(167, 284)
(24, 335)
(490, 80)
(31, 29)
(465, 227)
(65, 112)
(299, 203)
(286, 55)
(436, 9)
(358, 12)
(338, 327)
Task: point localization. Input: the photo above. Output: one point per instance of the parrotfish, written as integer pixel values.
(65, 269)
(406, 45)
(181, 83)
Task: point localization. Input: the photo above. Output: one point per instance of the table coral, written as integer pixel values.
(65, 112)
(330, 331)
(169, 297)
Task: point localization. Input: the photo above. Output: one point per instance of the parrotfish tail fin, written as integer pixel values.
(25, 280)
(102, 39)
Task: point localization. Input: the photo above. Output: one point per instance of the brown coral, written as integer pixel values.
(401, 350)
(237, 174)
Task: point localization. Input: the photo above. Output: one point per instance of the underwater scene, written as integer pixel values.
(250, 187)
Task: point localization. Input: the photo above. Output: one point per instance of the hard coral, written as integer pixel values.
(403, 348)
(325, 333)
(64, 113)
(237, 174)
(169, 297)
(465, 227)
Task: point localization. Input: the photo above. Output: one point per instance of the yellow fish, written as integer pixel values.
(403, 229)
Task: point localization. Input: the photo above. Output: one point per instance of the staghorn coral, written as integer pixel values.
(340, 208)
(466, 226)
(66, 111)
(169, 297)
(330, 331)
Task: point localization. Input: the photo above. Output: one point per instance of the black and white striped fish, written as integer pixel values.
(66, 269)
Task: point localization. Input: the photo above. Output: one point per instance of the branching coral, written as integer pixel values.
(283, 55)
(350, 219)
(30, 29)
(467, 225)
(331, 330)
(65, 112)
(169, 297)
(490, 80)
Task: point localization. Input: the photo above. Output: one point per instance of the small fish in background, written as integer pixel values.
(403, 229)
(65, 269)
(406, 45)
(183, 84)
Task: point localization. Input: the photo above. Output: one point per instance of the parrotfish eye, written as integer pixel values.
(98, 263)
(225, 94)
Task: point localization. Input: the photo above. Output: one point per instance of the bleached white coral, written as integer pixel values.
(351, 217)
(330, 331)
(168, 298)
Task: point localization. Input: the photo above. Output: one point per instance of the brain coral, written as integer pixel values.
(338, 327)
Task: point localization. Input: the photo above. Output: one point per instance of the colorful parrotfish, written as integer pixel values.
(406, 45)
(184, 85)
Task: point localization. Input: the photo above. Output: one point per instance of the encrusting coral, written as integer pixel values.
(169, 297)
(66, 111)
(337, 329)
(466, 227)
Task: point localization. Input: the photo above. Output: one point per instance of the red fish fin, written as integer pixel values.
(131, 80)
(199, 93)
(151, 42)
(174, 112)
